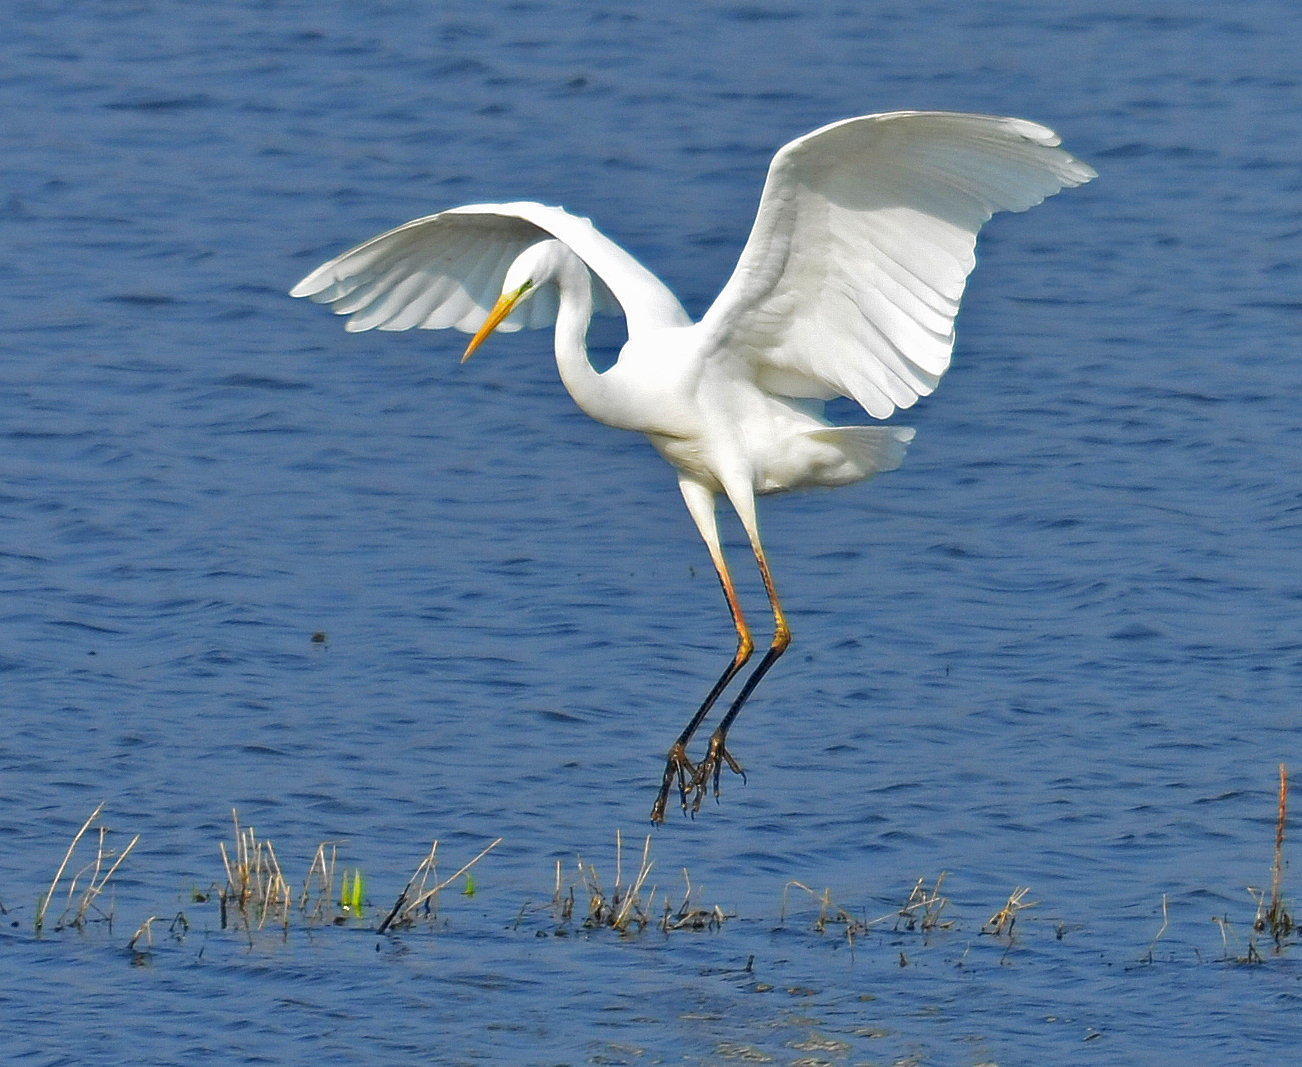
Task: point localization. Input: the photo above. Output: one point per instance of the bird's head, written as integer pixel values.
(532, 268)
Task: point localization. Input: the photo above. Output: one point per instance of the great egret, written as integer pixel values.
(848, 286)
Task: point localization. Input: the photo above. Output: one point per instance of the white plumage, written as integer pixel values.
(848, 286)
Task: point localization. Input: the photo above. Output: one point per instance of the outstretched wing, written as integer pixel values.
(853, 272)
(446, 270)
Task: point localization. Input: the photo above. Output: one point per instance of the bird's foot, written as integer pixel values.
(677, 765)
(711, 767)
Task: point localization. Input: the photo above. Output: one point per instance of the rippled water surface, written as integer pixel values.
(1059, 649)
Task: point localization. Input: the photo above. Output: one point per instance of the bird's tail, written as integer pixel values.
(867, 450)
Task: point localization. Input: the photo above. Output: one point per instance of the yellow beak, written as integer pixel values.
(501, 310)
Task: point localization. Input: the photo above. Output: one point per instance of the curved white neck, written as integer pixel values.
(592, 391)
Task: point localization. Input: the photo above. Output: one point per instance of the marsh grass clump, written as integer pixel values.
(923, 908)
(626, 906)
(81, 902)
(689, 915)
(255, 888)
(621, 908)
(257, 893)
(829, 912)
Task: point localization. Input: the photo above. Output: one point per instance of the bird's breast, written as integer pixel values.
(689, 456)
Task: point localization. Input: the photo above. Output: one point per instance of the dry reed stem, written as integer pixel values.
(1279, 921)
(146, 928)
(1223, 921)
(1148, 956)
(324, 873)
(400, 906)
(1271, 917)
(562, 902)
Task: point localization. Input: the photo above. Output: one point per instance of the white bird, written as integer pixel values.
(848, 286)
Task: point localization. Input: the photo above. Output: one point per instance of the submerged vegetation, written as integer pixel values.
(256, 897)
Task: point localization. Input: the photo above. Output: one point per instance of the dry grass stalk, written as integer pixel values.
(77, 907)
(418, 896)
(1223, 921)
(254, 882)
(414, 895)
(1003, 921)
(562, 905)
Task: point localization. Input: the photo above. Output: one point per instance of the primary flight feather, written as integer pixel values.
(848, 286)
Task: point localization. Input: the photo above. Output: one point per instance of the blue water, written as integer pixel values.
(1059, 648)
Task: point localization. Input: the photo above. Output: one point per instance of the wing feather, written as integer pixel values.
(852, 276)
(446, 270)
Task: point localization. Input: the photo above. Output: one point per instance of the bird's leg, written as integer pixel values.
(711, 766)
(677, 765)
